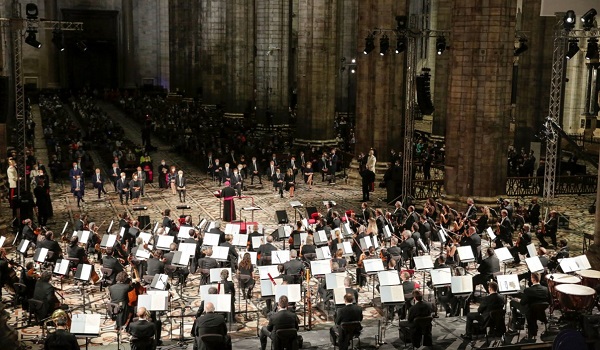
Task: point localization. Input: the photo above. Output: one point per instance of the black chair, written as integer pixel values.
(170, 271)
(21, 295)
(494, 327)
(421, 331)
(350, 331)
(113, 311)
(204, 276)
(537, 312)
(310, 256)
(143, 343)
(285, 339)
(106, 277)
(213, 341)
(36, 309)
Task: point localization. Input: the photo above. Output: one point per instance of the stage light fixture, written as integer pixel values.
(31, 39)
(588, 19)
(81, 45)
(400, 44)
(592, 49)
(384, 45)
(573, 48)
(58, 40)
(31, 11)
(569, 20)
(440, 45)
(369, 44)
(522, 47)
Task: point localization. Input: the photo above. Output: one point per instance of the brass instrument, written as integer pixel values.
(58, 314)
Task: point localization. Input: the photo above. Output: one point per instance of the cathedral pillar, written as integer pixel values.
(478, 104)
(317, 70)
(272, 36)
(52, 80)
(128, 43)
(213, 66)
(239, 86)
(380, 80)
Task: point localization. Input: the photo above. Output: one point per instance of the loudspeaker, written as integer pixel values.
(424, 93)
(144, 221)
(4, 100)
(282, 217)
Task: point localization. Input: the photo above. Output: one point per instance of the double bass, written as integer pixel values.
(137, 289)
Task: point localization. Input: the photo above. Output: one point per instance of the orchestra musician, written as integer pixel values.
(29, 231)
(471, 213)
(75, 251)
(232, 255)
(281, 319)
(46, 293)
(5, 270)
(110, 262)
(520, 246)
(408, 287)
(206, 263)
(561, 253)
(61, 339)
(119, 294)
(123, 189)
(246, 276)
(350, 312)
(534, 294)
(486, 269)
(413, 217)
(229, 289)
(52, 246)
(408, 245)
(293, 268)
(420, 308)
(156, 263)
(542, 255)
(143, 331)
(506, 229)
(533, 212)
(182, 272)
(308, 247)
(265, 250)
(340, 259)
(211, 323)
(493, 301)
(549, 229)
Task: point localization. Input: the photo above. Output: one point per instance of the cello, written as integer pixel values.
(137, 289)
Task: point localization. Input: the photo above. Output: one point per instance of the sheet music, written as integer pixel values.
(154, 302)
(122, 231)
(391, 294)
(40, 255)
(84, 272)
(303, 236)
(180, 258)
(146, 236)
(346, 230)
(164, 242)
(287, 230)
(211, 239)
(373, 265)
(338, 295)
(582, 262)
(64, 228)
(534, 264)
(211, 225)
(24, 246)
(366, 243)
(442, 236)
(205, 287)
(375, 242)
(85, 324)
(347, 248)
(61, 267)
(160, 281)
(267, 288)
(531, 250)
(320, 267)
(386, 231)
(142, 254)
(264, 271)
(231, 229)
(155, 228)
(465, 254)
(508, 284)
(323, 253)
(2, 239)
(295, 204)
(388, 278)
(335, 280)
(220, 253)
(239, 240)
(325, 203)
(215, 274)
(422, 245)
(202, 224)
(305, 223)
(462, 284)
(441, 277)
(257, 241)
(320, 237)
(184, 232)
(292, 291)
(490, 233)
(423, 262)
(569, 265)
(222, 302)
(108, 241)
(503, 254)
(253, 257)
(188, 248)
(280, 256)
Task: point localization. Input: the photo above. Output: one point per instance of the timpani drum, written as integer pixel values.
(555, 279)
(573, 297)
(589, 278)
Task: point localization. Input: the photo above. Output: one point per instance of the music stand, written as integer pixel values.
(372, 266)
(462, 287)
(296, 205)
(280, 256)
(2, 239)
(320, 267)
(508, 284)
(323, 253)
(164, 242)
(211, 239)
(159, 281)
(534, 264)
(320, 238)
(84, 273)
(504, 256)
(86, 326)
(23, 247)
(108, 241)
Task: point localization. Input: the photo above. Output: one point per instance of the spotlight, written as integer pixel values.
(369, 44)
(592, 49)
(400, 44)
(588, 19)
(440, 45)
(522, 47)
(81, 45)
(58, 40)
(569, 20)
(31, 11)
(32, 40)
(573, 48)
(384, 45)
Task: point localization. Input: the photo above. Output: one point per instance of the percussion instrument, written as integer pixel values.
(555, 279)
(573, 297)
(589, 278)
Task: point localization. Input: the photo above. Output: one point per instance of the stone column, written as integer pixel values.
(272, 32)
(128, 66)
(53, 61)
(380, 81)
(347, 39)
(184, 46)
(478, 105)
(239, 85)
(441, 20)
(213, 66)
(317, 69)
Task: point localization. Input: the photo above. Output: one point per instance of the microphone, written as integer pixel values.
(183, 207)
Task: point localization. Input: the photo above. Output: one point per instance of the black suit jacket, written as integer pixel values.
(95, 179)
(282, 319)
(420, 309)
(489, 265)
(118, 293)
(155, 266)
(349, 313)
(490, 303)
(44, 292)
(534, 295)
(142, 329)
(211, 323)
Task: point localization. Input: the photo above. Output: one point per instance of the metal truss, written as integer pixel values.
(410, 111)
